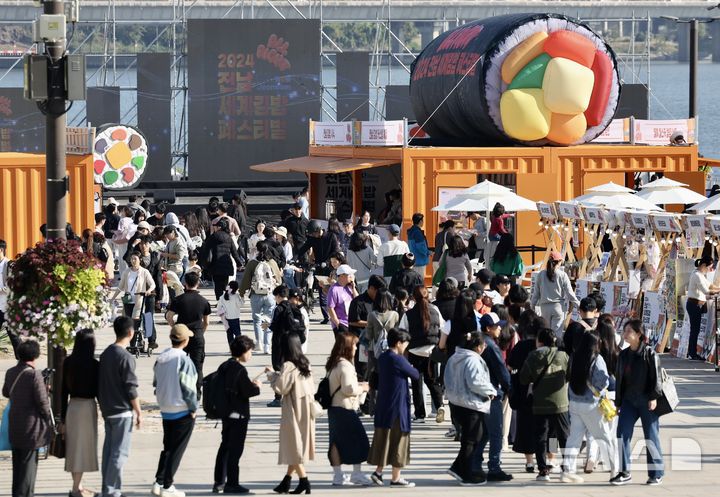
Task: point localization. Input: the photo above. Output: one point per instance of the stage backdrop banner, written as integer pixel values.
(22, 125)
(253, 87)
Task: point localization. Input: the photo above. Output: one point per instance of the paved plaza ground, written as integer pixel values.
(690, 440)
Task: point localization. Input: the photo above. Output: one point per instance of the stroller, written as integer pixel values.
(139, 345)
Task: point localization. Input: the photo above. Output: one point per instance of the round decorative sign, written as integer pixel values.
(120, 156)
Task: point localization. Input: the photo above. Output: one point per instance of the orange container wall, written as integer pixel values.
(22, 197)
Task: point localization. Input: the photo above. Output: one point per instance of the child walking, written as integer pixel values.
(228, 308)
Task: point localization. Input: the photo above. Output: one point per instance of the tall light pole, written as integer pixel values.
(694, 56)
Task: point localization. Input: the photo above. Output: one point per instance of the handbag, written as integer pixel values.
(605, 405)
(441, 272)
(57, 445)
(128, 297)
(5, 423)
(669, 399)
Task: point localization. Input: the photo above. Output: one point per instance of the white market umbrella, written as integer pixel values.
(610, 188)
(480, 203)
(671, 195)
(616, 201)
(662, 183)
(709, 204)
(485, 188)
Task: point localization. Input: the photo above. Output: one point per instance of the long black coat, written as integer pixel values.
(223, 251)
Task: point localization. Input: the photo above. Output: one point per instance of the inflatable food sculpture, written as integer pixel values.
(532, 79)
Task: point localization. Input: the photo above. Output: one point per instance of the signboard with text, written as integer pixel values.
(617, 132)
(332, 134)
(659, 132)
(253, 87)
(382, 133)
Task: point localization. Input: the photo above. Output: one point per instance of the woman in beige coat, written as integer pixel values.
(295, 383)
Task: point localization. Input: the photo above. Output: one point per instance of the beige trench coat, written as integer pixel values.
(297, 426)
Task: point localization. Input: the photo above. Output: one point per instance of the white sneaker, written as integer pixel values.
(361, 479)
(171, 492)
(440, 416)
(343, 481)
(156, 489)
(571, 478)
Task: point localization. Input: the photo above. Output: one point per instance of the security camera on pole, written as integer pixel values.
(51, 80)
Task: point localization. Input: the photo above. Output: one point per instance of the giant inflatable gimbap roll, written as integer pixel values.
(532, 79)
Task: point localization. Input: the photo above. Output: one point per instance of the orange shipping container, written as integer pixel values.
(22, 197)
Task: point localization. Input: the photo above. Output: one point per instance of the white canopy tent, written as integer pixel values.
(483, 197)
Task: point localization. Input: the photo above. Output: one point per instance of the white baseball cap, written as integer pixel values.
(112, 201)
(345, 269)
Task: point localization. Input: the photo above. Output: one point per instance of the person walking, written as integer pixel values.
(79, 414)
(546, 369)
(340, 296)
(262, 275)
(229, 307)
(491, 326)
(295, 383)
(589, 380)
(117, 396)
(506, 260)
(137, 285)
(5, 291)
(239, 390)
(417, 243)
(175, 382)
(382, 319)
(497, 228)
(361, 257)
(447, 230)
(406, 278)
(457, 262)
(391, 252)
(30, 419)
(639, 385)
(391, 439)
(348, 440)
(552, 292)
(175, 252)
(257, 237)
(469, 391)
(424, 323)
(192, 310)
(224, 257)
(699, 289)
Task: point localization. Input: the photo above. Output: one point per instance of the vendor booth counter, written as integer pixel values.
(425, 173)
(22, 197)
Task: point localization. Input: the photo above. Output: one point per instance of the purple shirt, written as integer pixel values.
(338, 299)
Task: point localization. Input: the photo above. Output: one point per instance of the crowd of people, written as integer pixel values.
(511, 377)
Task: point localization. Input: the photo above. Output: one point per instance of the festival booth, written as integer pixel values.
(22, 197)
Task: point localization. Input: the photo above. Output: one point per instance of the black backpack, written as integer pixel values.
(215, 402)
(99, 252)
(323, 395)
(297, 323)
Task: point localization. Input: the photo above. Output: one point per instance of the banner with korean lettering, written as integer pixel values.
(332, 134)
(659, 132)
(253, 87)
(382, 133)
(617, 132)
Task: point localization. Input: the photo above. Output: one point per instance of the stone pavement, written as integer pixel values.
(686, 434)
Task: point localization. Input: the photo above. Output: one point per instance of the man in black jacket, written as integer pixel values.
(296, 225)
(286, 320)
(323, 245)
(239, 389)
(406, 277)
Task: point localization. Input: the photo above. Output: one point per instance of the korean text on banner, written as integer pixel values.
(659, 132)
(332, 134)
(617, 132)
(382, 133)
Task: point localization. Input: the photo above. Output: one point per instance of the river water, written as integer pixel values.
(669, 84)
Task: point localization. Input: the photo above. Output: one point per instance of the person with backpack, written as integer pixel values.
(424, 323)
(232, 388)
(470, 392)
(262, 275)
(546, 369)
(294, 382)
(228, 308)
(348, 440)
(175, 382)
(287, 320)
(406, 277)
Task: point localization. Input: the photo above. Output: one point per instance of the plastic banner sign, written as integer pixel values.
(332, 134)
(659, 132)
(547, 211)
(666, 223)
(382, 133)
(595, 215)
(713, 224)
(617, 132)
(640, 220)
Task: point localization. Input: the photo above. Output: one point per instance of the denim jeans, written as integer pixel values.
(289, 278)
(631, 410)
(585, 416)
(116, 449)
(695, 313)
(492, 432)
(471, 430)
(262, 307)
